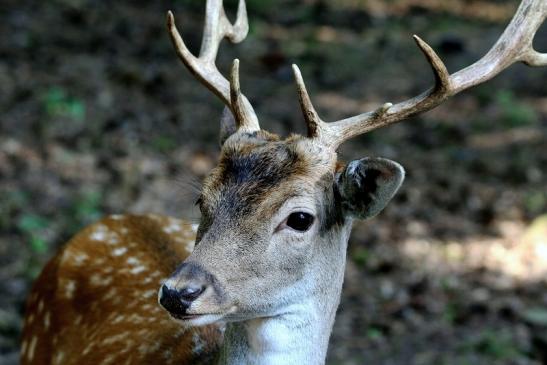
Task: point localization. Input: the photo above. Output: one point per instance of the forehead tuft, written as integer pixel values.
(251, 165)
(258, 161)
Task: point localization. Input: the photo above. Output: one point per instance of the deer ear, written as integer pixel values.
(227, 125)
(367, 185)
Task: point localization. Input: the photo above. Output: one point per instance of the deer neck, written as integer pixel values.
(300, 333)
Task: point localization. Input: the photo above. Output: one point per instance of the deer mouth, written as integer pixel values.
(200, 319)
(185, 317)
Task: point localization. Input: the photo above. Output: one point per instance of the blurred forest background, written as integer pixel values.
(98, 116)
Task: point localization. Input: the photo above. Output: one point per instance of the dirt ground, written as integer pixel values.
(98, 116)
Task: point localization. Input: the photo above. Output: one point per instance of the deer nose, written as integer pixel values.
(177, 301)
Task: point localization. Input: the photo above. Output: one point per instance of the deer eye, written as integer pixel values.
(300, 221)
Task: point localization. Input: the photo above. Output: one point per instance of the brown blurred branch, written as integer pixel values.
(475, 9)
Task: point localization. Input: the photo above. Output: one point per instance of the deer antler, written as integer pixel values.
(514, 45)
(217, 26)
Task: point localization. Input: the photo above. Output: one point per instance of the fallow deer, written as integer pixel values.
(262, 282)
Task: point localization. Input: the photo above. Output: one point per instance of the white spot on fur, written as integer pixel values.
(119, 251)
(113, 240)
(95, 279)
(116, 338)
(80, 259)
(78, 319)
(197, 343)
(59, 357)
(155, 346)
(134, 318)
(98, 280)
(138, 269)
(99, 234)
(70, 287)
(46, 320)
(144, 349)
(112, 292)
(30, 319)
(119, 319)
(88, 348)
(108, 360)
(32, 347)
(133, 261)
(104, 234)
(149, 294)
(167, 355)
(146, 307)
(172, 227)
(40, 306)
(24, 345)
(190, 246)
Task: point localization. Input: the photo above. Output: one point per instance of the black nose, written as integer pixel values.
(177, 301)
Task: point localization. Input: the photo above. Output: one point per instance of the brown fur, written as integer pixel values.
(96, 300)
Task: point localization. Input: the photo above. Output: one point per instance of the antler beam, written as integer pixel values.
(514, 45)
(217, 26)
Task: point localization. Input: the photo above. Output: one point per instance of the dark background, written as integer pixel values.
(97, 115)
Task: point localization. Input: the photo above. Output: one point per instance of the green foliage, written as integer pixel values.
(86, 208)
(32, 226)
(536, 316)
(374, 333)
(450, 312)
(11, 203)
(262, 6)
(360, 256)
(535, 202)
(514, 113)
(497, 345)
(57, 103)
(163, 143)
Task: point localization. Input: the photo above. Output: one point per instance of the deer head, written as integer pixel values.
(275, 213)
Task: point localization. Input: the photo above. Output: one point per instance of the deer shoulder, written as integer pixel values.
(96, 301)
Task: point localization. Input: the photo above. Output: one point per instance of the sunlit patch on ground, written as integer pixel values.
(518, 254)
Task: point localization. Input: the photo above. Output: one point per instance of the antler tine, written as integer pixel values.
(238, 102)
(217, 26)
(442, 76)
(514, 45)
(313, 122)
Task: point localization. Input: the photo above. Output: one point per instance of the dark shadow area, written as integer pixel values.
(98, 116)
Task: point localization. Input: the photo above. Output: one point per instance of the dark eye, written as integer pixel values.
(300, 221)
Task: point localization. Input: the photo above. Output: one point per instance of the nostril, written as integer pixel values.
(170, 300)
(190, 293)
